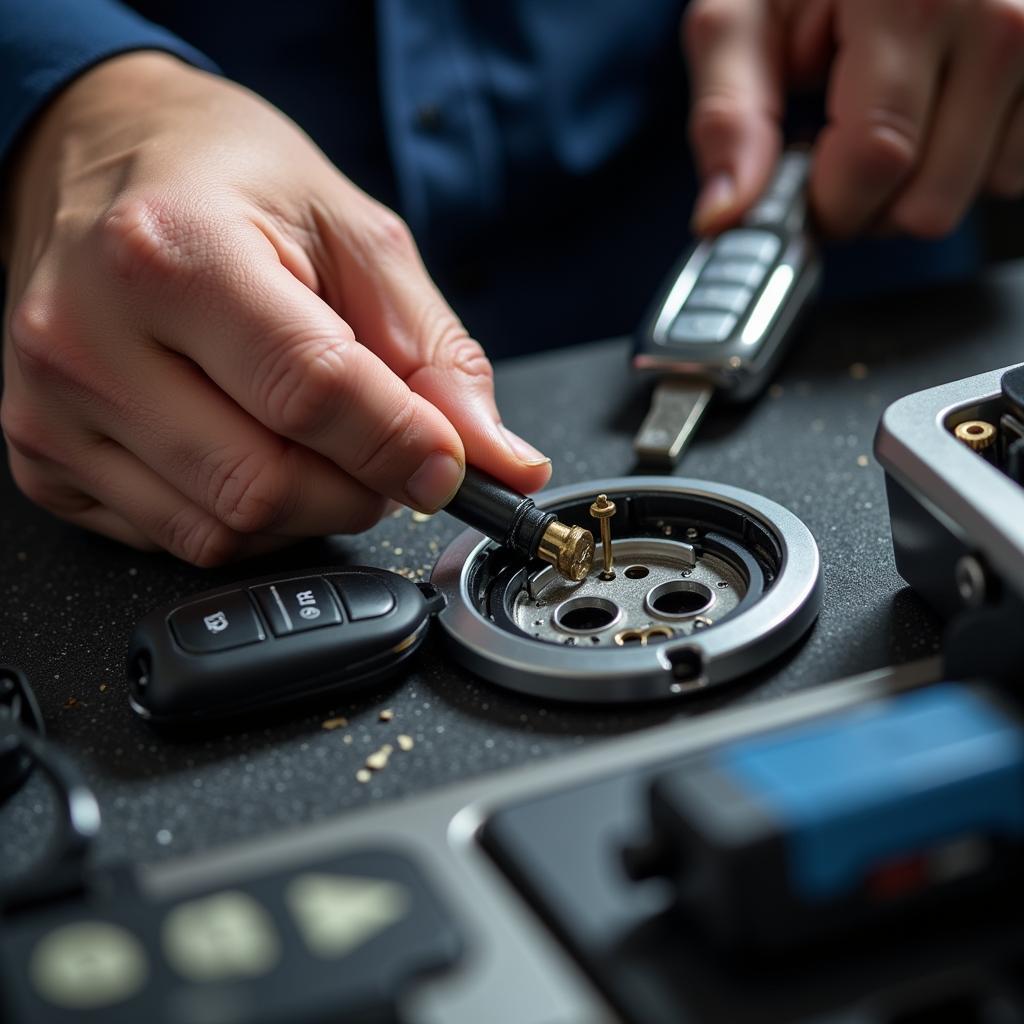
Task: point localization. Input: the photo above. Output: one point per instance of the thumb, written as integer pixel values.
(734, 51)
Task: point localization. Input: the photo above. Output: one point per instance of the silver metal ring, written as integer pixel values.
(724, 651)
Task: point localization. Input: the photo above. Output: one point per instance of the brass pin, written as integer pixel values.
(603, 510)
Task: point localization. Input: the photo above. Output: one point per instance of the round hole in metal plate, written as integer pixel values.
(586, 614)
(636, 572)
(679, 599)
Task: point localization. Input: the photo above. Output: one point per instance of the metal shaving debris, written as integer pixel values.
(379, 758)
(71, 702)
(405, 742)
(103, 687)
(363, 775)
(338, 722)
(386, 715)
(347, 738)
(420, 517)
(862, 460)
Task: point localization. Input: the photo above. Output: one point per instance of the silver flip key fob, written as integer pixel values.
(723, 319)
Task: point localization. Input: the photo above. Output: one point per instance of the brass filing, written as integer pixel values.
(976, 434)
(603, 510)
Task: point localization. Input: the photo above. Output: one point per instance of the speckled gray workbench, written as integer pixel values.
(69, 600)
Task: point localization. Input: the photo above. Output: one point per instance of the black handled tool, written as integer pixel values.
(512, 519)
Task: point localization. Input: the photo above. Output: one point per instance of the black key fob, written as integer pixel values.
(240, 649)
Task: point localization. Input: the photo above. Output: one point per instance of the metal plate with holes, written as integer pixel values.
(710, 583)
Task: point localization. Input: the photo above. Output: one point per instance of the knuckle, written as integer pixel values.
(198, 538)
(32, 484)
(926, 217)
(467, 356)
(886, 146)
(302, 384)
(42, 489)
(249, 493)
(706, 22)
(717, 121)
(24, 430)
(382, 445)
(153, 240)
(389, 237)
(34, 334)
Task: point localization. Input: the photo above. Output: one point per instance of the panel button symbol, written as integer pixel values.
(88, 965)
(217, 623)
(338, 913)
(227, 935)
(292, 606)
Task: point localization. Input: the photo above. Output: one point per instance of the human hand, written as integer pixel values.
(215, 341)
(925, 106)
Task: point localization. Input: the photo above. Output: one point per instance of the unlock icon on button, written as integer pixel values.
(216, 623)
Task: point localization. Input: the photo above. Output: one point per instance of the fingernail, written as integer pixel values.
(434, 484)
(524, 451)
(716, 197)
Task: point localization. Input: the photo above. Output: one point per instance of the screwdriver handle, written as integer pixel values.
(506, 516)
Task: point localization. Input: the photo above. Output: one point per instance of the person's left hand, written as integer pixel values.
(925, 106)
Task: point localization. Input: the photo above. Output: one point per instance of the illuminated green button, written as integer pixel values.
(228, 935)
(338, 913)
(88, 965)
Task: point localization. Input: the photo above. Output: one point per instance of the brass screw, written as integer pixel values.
(570, 549)
(603, 510)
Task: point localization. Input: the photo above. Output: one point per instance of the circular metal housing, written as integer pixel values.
(709, 583)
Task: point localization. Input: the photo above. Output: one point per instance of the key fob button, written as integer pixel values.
(293, 606)
(364, 596)
(760, 246)
(724, 298)
(731, 271)
(701, 328)
(217, 623)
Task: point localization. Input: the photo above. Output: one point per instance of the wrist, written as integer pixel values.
(77, 123)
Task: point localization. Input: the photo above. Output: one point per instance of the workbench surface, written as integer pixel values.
(69, 600)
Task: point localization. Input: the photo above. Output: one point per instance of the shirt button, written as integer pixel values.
(428, 118)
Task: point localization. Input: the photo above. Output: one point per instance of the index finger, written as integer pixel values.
(734, 54)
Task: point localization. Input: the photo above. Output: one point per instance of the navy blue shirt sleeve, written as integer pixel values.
(47, 43)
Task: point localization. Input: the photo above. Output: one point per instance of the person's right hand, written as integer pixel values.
(215, 342)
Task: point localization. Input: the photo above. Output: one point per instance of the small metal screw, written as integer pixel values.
(970, 581)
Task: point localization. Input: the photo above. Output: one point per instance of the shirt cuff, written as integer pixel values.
(47, 44)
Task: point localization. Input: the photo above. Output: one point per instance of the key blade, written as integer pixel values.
(677, 407)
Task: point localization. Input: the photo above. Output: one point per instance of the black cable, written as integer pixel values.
(63, 867)
(19, 702)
